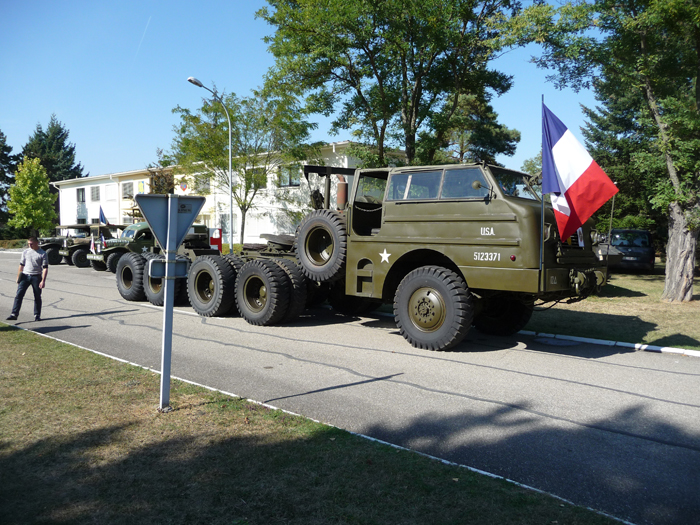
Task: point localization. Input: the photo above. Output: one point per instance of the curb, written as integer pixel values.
(636, 346)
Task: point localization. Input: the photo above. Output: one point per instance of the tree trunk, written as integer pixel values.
(243, 212)
(680, 257)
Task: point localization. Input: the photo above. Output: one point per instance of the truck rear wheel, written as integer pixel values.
(433, 309)
(98, 266)
(130, 272)
(53, 256)
(154, 287)
(506, 316)
(262, 292)
(80, 259)
(113, 260)
(321, 245)
(211, 285)
(298, 289)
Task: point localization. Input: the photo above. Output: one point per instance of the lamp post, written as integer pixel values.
(197, 83)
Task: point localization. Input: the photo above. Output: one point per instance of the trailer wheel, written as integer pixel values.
(503, 317)
(298, 289)
(113, 260)
(210, 285)
(433, 309)
(53, 256)
(321, 245)
(98, 266)
(80, 259)
(130, 277)
(262, 292)
(154, 287)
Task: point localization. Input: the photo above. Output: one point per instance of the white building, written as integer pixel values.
(81, 199)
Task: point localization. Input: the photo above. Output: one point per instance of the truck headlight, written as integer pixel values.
(596, 237)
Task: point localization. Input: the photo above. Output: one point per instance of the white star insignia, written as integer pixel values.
(385, 256)
(144, 250)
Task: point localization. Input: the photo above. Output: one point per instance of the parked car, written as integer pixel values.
(636, 248)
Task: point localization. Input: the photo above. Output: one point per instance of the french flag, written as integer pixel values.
(579, 185)
(103, 219)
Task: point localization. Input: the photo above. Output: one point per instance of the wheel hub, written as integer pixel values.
(426, 309)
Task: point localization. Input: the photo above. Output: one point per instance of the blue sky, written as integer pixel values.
(113, 71)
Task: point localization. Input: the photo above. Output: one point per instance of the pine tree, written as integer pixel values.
(31, 204)
(8, 163)
(57, 155)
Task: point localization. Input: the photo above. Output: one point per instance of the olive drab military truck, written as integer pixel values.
(450, 247)
(136, 238)
(133, 281)
(51, 245)
(73, 239)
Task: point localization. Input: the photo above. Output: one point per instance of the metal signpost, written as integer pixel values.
(169, 217)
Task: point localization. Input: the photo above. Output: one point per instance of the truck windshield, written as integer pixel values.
(515, 184)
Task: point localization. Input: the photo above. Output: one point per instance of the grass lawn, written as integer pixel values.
(628, 309)
(81, 441)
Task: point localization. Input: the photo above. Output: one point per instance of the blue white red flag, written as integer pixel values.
(579, 185)
(102, 238)
(103, 219)
(92, 243)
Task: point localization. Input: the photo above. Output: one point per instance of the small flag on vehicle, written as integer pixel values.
(92, 243)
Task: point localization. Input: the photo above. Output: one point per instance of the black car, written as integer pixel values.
(636, 248)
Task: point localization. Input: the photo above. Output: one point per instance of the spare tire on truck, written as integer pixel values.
(130, 271)
(211, 285)
(321, 245)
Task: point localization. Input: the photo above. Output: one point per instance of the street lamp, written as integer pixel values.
(197, 83)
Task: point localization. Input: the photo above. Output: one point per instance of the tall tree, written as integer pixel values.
(57, 155)
(266, 131)
(31, 203)
(396, 67)
(8, 163)
(649, 49)
(474, 135)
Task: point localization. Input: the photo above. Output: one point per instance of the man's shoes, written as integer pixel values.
(37, 318)
(11, 317)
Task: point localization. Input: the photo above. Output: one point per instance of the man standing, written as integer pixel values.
(33, 268)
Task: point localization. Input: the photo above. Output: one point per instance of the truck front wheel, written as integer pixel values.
(113, 260)
(53, 256)
(262, 292)
(98, 266)
(505, 316)
(80, 259)
(210, 285)
(433, 309)
(154, 287)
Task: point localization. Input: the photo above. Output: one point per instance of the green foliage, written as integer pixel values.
(473, 135)
(267, 130)
(533, 166)
(8, 163)
(394, 69)
(57, 155)
(31, 204)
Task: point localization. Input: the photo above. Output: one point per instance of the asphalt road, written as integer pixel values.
(610, 428)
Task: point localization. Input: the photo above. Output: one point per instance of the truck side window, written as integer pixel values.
(415, 186)
(370, 189)
(458, 184)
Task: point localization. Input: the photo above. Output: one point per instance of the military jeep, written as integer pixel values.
(51, 245)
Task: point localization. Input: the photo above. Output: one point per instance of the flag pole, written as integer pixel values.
(607, 252)
(539, 281)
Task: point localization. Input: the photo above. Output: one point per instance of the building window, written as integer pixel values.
(127, 220)
(80, 192)
(127, 190)
(95, 194)
(94, 221)
(288, 176)
(258, 178)
(82, 221)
